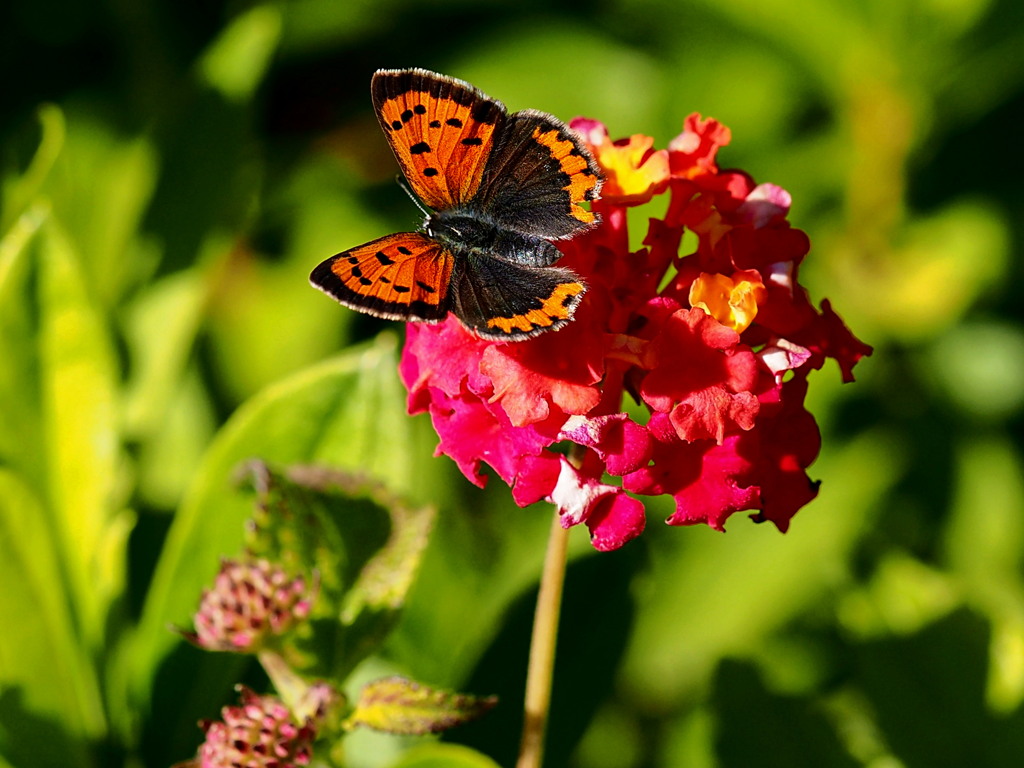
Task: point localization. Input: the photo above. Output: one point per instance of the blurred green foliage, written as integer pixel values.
(170, 174)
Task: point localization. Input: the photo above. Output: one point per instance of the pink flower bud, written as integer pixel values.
(249, 602)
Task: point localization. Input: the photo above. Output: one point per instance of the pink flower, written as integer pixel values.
(260, 733)
(249, 603)
(716, 344)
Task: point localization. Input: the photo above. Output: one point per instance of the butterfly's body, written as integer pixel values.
(474, 232)
(500, 187)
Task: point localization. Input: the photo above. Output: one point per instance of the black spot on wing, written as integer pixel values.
(482, 112)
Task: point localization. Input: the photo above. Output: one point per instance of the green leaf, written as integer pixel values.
(237, 60)
(100, 186)
(20, 194)
(444, 756)
(758, 727)
(20, 441)
(167, 412)
(347, 412)
(78, 392)
(161, 330)
(927, 692)
(363, 544)
(398, 705)
(51, 705)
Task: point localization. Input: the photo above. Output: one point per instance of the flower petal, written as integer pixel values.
(709, 482)
(692, 153)
(555, 369)
(634, 171)
(617, 519)
(612, 516)
(702, 375)
(621, 443)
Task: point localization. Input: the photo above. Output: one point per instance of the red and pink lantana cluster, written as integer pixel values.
(715, 346)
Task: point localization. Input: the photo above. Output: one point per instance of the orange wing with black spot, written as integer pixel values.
(538, 177)
(442, 132)
(405, 276)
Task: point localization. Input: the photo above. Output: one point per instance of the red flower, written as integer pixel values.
(716, 344)
(701, 376)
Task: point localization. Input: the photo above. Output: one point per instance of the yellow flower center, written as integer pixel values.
(633, 172)
(732, 301)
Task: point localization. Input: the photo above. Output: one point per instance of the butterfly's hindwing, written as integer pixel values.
(538, 177)
(504, 301)
(441, 130)
(405, 276)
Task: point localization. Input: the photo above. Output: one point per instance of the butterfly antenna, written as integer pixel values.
(404, 184)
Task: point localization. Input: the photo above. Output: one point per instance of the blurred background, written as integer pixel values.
(177, 168)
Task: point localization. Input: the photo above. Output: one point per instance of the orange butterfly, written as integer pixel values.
(499, 187)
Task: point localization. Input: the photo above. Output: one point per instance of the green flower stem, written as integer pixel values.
(542, 648)
(290, 686)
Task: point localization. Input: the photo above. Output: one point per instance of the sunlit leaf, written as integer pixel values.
(444, 756)
(99, 165)
(237, 60)
(51, 705)
(78, 382)
(167, 408)
(397, 705)
(20, 438)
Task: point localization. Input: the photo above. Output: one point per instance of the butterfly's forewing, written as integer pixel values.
(538, 177)
(441, 130)
(504, 301)
(405, 276)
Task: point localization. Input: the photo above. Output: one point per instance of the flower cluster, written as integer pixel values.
(713, 346)
(249, 602)
(260, 733)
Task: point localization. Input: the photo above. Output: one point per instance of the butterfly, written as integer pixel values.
(497, 189)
